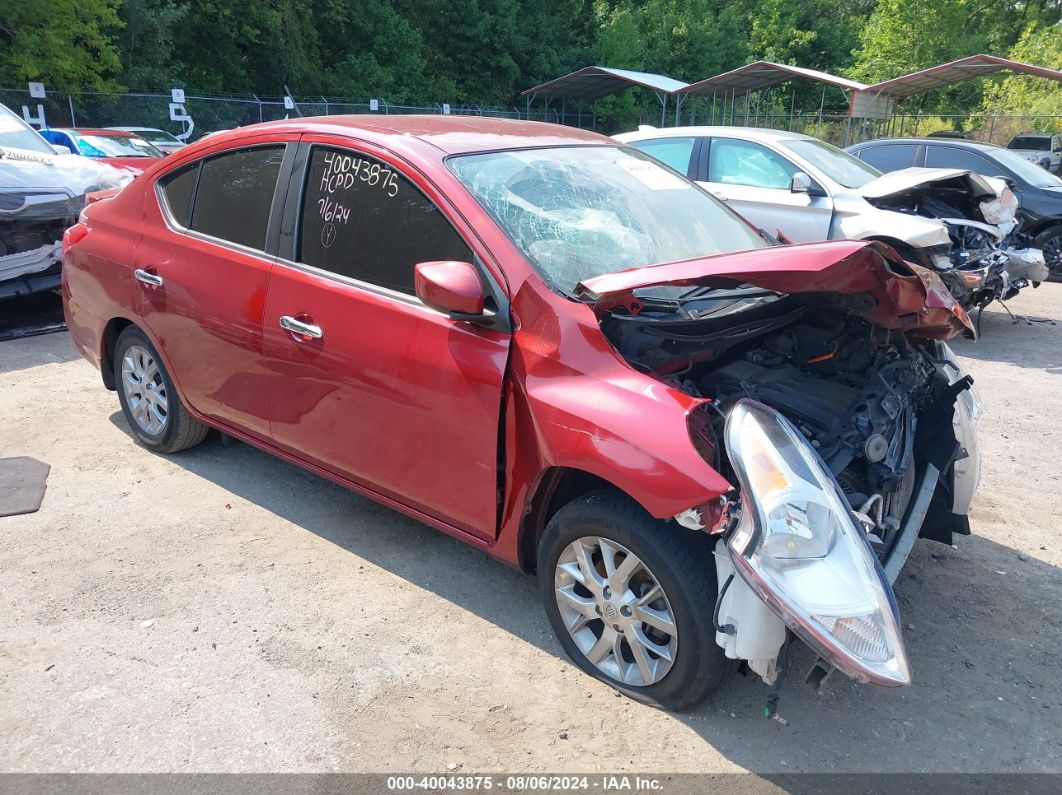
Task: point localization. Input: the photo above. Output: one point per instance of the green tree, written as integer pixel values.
(1023, 95)
(69, 45)
(145, 44)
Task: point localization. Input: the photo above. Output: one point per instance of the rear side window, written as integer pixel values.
(362, 219)
(235, 195)
(177, 189)
(948, 157)
(891, 157)
(674, 152)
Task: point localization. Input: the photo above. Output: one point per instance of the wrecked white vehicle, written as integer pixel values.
(41, 194)
(801, 189)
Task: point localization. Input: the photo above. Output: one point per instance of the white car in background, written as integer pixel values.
(160, 139)
(1044, 149)
(801, 189)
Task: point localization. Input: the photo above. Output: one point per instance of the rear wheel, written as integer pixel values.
(632, 600)
(149, 401)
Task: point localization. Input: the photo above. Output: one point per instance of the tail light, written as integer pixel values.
(74, 234)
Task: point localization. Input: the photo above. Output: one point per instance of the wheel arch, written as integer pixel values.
(556, 487)
(109, 341)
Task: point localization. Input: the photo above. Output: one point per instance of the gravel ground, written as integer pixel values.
(224, 611)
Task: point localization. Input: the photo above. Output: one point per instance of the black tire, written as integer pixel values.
(180, 430)
(1050, 241)
(682, 564)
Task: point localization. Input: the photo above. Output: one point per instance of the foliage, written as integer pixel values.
(1030, 96)
(487, 51)
(63, 43)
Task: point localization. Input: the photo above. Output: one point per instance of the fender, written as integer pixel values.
(571, 401)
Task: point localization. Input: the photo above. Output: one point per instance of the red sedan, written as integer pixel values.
(559, 351)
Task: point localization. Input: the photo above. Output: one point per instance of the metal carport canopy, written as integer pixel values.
(955, 72)
(764, 74)
(595, 82)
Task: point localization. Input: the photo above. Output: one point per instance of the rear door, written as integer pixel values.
(892, 157)
(382, 391)
(202, 267)
(756, 182)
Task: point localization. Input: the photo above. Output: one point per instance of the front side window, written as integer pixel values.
(949, 157)
(582, 211)
(235, 195)
(734, 162)
(674, 152)
(362, 219)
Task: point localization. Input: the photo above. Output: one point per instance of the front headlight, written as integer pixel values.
(799, 547)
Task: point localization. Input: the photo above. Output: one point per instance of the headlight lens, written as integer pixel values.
(798, 545)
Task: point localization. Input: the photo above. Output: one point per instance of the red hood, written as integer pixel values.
(904, 296)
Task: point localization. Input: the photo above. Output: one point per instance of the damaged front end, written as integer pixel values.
(987, 258)
(41, 195)
(831, 401)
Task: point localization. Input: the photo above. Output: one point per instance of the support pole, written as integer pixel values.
(595, 115)
(663, 109)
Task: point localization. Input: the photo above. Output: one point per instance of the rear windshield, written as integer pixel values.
(1040, 143)
(582, 211)
(116, 146)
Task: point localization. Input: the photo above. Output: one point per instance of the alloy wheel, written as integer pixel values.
(616, 611)
(145, 390)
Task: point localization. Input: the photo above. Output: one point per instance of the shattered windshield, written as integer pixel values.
(578, 212)
(16, 134)
(116, 146)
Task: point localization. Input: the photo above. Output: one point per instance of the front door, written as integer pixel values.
(755, 181)
(201, 276)
(367, 382)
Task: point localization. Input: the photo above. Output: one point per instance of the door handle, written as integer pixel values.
(288, 323)
(150, 279)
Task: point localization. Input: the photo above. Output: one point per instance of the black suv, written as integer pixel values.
(1039, 192)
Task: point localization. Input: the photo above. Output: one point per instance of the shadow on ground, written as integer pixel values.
(1036, 345)
(982, 627)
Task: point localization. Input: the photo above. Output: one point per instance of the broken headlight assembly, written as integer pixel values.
(798, 546)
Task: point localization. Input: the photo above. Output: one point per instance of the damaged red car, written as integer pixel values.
(559, 351)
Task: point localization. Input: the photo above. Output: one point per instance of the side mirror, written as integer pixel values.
(450, 287)
(801, 183)
(1008, 180)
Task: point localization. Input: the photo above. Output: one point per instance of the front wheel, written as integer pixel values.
(632, 600)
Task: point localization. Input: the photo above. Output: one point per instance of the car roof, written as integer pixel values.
(1035, 135)
(448, 134)
(960, 143)
(749, 133)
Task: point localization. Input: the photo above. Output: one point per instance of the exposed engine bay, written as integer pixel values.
(988, 258)
(865, 397)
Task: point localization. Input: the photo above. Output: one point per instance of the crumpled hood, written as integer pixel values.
(22, 170)
(869, 279)
(906, 179)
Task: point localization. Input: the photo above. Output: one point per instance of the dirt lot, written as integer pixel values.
(224, 611)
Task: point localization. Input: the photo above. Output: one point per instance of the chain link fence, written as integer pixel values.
(203, 113)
